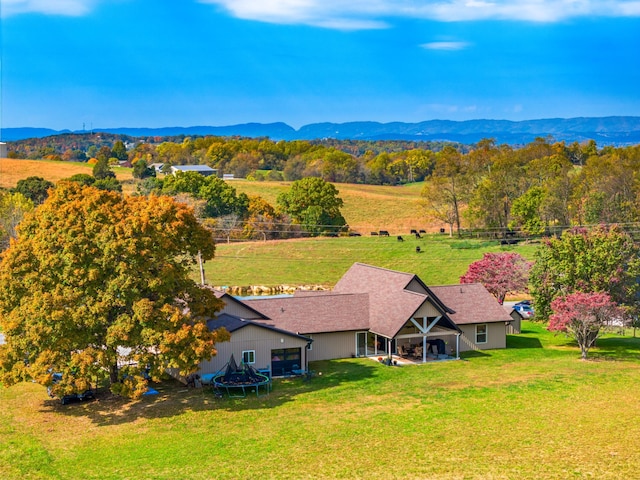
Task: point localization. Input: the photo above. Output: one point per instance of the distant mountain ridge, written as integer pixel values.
(604, 130)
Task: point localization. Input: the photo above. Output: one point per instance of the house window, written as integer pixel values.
(249, 357)
(481, 333)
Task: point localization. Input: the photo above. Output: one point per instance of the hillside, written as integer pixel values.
(367, 207)
(11, 171)
(323, 261)
(604, 130)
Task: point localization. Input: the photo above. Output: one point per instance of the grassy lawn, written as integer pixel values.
(531, 411)
(324, 260)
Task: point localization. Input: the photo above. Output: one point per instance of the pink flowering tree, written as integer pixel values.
(500, 273)
(582, 316)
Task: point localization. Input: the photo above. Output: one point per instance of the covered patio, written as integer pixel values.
(419, 340)
(424, 339)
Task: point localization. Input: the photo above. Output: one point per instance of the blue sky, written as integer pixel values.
(154, 63)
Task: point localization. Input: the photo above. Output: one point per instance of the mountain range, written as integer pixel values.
(618, 131)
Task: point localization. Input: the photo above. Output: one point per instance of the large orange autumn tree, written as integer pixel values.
(97, 285)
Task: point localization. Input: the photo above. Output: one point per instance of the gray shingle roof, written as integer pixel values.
(365, 298)
(232, 323)
(391, 303)
(472, 303)
(307, 314)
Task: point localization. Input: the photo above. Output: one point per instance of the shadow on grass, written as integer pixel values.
(516, 341)
(474, 354)
(174, 398)
(616, 348)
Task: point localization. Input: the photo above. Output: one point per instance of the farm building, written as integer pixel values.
(3, 150)
(370, 312)
(204, 170)
(157, 167)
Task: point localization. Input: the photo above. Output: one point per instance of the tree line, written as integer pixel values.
(539, 188)
(383, 162)
(536, 189)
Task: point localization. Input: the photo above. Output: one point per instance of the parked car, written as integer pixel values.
(526, 310)
(74, 396)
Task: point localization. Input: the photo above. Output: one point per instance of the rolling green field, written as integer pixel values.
(323, 261)
(531, 411)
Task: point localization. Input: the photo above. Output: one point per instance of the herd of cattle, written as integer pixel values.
(385, 233)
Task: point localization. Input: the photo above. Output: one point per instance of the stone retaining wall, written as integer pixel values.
(244, 291)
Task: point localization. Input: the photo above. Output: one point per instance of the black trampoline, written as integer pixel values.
(237, 381)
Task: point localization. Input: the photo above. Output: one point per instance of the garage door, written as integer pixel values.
(284, 360)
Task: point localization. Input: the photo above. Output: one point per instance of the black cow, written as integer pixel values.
(383, 233)
(423, 231)
(374, 233)
(417, 248)
(413, 232)
(400, 239)
(418, 235)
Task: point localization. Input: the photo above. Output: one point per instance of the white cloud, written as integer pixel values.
(370, 14)
(334, 14)
(47, 7)
(366, 14)
(628, 9)
(445, 45)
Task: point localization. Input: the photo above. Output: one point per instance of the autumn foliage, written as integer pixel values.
(582, 316)
(600, 259)
(98, 285)
(500, 273)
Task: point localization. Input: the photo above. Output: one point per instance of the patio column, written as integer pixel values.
(457, 346)
(424, 349)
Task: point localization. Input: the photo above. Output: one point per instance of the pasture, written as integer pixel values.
(366, 207)
(323, 261)
(12, 171)
(531, 411)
